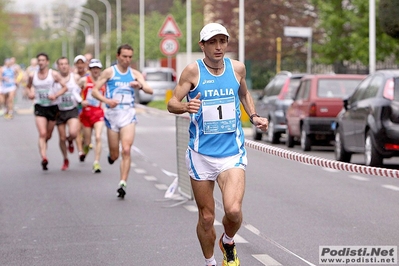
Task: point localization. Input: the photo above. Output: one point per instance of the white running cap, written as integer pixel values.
(79, 57)
(95, 63)
(212, 29)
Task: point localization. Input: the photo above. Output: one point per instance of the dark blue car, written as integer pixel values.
(369, 121)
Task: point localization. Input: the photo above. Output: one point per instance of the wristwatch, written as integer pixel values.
(252, 117)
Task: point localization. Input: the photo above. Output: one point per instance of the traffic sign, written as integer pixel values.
(303, 32)
(169, 28)
(169, 46)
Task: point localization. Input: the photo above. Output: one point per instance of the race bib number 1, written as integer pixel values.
(219, 115)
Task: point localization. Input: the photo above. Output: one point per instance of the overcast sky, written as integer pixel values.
(35, 5)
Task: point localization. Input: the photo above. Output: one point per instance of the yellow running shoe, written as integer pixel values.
(230, 257)
(96, 167)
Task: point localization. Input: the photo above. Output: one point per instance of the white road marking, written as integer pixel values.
(161, 186)
(140, 171)
(392, 187)
(191, 208)
(359, 178)
(217, 223)
(150, 178)
(252, 229)
(266, 260)
(239, 239)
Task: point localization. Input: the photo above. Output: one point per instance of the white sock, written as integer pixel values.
(122, 183)
(227, 239)
(210, 261)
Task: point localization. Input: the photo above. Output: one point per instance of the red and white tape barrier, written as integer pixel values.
(314, 160)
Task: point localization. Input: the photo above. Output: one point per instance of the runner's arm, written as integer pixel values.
(104, 77)
(246, 97)
(57, 78)
(188, 78)
(140, 83)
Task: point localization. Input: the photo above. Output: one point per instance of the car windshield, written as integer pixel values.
(336, 88)
(292, 87)
(158, 76)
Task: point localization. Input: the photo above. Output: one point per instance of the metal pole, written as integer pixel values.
(241, 39)
(84, 30)
(118, 23)
(108, 29)
(85, 25)
(142, 34)
(372, 30)
(96, 30)
(278, 57)
(189, 38)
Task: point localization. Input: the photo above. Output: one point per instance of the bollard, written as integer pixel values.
(244, 115)
(168, 95)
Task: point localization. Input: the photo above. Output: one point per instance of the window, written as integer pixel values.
(336, 88)
(372, 89)
(303, 91)
(358, 93)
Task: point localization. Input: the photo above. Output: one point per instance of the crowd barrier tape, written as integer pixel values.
(314, 160)
(184, 184)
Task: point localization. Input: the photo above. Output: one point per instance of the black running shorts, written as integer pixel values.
(66, 115)
(49, 112)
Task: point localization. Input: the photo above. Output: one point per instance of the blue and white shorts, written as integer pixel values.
(5, 90)
(115, 119)
(202, 167)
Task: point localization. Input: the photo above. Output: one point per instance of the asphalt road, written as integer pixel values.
(74, 217)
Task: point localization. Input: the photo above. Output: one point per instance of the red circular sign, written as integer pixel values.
(169, 46)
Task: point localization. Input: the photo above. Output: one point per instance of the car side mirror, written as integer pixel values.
(345, 102)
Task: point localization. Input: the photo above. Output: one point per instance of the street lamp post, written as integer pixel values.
(96, 30)
(108, 29)
(142, 38)
(189, 48)
(118, 22)
(241, 39)
(372, 30)
(83, 29)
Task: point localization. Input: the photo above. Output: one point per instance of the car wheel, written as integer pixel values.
(256, 135)
(339, 150)
(290, 142)
(272, 137)
(305, 140)
(371, 155)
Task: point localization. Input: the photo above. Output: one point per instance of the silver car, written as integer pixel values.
(160, 79)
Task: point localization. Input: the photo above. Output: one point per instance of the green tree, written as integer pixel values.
(343, 31)
(5, 41)
(388, 11)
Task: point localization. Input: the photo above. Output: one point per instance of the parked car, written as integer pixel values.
(273, 103)
(160, 79)
(316, 104)
(369, 122)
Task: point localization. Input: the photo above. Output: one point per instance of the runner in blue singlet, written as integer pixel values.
(120, 115)
(214, 88)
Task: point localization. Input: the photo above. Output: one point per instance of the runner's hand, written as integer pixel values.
(194, 104)
(112, 103)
